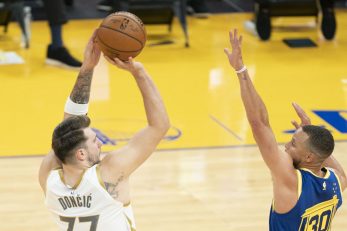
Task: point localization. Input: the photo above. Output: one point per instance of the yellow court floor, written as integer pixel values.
(198, 86)
(207, 174)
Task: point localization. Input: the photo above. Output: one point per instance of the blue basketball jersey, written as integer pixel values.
(317, 204)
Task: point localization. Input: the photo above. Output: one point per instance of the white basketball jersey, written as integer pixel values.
(87, 207)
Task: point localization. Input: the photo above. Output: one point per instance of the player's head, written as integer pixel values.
(74, 141)
(310, 144)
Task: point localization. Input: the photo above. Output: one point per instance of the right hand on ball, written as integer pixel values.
(91, 53)
(130, 65)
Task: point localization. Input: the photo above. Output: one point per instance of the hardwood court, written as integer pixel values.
(207, 175)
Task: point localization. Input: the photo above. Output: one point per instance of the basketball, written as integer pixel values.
(121, 35)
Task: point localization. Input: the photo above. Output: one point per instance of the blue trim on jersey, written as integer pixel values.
(315, 208)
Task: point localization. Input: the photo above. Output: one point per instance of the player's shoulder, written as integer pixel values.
(48, 176)
(283, 170)
(340, 177)
(331, 174)
(114, 158)
(110, 166)
(48, 164)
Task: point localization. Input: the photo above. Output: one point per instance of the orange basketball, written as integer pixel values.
(121, 35)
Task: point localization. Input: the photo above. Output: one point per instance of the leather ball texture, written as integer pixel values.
(122, 35)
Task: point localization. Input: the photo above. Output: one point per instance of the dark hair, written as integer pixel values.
(68, 136)
(320, 141)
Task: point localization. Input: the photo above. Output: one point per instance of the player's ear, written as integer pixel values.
(310, 157)
(81, 154)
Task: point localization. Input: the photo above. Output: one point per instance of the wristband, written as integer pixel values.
(244, 68)
(75, 108)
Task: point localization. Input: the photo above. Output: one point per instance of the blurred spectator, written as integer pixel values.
(57, 54)
(197, 8)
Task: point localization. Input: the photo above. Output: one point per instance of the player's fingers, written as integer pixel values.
(93, 38)
(109, 60)
(297, 109)
(231, 38)
(130, 60)
(296, 125)
(96, 47)
(119, 62)
(300, 111)
(226, 51)
(95, 32)
(305, 119)
(240, 40)
(235, 35)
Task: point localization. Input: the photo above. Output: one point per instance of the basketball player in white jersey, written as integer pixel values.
(82, 191)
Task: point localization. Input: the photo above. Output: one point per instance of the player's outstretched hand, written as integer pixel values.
(305, 120)
(130, 65)
(91, 53)
(235, 55)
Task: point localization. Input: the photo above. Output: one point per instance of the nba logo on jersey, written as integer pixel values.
(324, 186)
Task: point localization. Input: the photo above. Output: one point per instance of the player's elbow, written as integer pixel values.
(162, 127)
(165, 126)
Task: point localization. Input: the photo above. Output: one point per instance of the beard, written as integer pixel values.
(93, 160)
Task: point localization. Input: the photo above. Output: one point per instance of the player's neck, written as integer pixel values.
(315, 168)
(72, 174)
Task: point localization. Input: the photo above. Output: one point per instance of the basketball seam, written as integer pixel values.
(122, 33)
(111, 48)
(138, 23)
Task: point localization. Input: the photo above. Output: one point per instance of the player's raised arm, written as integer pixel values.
(280, 165)
(142, 145)
(76, 104)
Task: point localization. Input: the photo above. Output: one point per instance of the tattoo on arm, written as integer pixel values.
(81, 91)
(112, 188)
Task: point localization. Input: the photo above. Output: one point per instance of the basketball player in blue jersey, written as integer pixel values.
(307, 179)
(83, 191)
